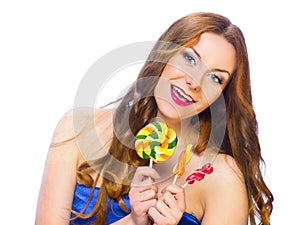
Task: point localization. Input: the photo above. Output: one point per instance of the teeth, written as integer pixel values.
(181, 94)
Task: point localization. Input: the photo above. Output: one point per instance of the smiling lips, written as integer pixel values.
(180, 97)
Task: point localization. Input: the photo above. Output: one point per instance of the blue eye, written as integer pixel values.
(215, 78)
(189, 59)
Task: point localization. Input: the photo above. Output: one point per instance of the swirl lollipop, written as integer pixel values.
(156, 142)
(199, 174)
(183, 159)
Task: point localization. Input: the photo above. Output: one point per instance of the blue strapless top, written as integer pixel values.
(115, 213)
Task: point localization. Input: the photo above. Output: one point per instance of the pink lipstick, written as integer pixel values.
(180, 97)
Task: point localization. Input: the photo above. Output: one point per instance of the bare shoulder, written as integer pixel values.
(225, 194)
(225, 165)
(78, 130)
(70, 124)
(104, 119)
(60, 172)
(76, 120)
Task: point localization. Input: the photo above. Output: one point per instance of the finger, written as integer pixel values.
(161, 214)
(142, 173)
(169, 200)
(141, 208)
(174, 192)
(155, 215)
(163, 209)
(146, 195)
(148, 204)
(137, 195)
(140, 189)
(173, 188)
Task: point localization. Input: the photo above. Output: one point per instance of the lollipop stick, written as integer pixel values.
(183, 186)
(151, 163)
(175, 179)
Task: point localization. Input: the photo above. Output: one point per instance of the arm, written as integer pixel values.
(225, 195)
(57, 188)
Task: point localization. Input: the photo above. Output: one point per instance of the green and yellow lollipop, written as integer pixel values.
(156, 141)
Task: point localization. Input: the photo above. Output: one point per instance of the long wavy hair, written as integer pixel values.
(239, 141)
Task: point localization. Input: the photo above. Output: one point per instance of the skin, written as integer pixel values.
(200, 82)
(205, 199)
(210, 200)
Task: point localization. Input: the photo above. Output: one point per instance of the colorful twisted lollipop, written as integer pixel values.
(199, 174)
(156, 142)
(183, 159)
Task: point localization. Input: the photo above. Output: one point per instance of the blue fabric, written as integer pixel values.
(81, 196)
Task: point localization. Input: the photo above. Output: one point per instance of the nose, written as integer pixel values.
(192, 84)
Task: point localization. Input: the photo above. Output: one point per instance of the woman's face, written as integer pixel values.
(195, 77)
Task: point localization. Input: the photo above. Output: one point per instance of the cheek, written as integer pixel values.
(210, 93)
(170, 72)
(162, 90)
(213, 94)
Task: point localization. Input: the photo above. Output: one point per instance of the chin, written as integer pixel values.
(167, 110)
(169, 114)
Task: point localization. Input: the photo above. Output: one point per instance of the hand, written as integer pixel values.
(143, 194)
(170, 207)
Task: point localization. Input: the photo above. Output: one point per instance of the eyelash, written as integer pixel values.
(215, 78)
(189, 58)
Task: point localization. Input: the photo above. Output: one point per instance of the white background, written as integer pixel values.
(47, 46)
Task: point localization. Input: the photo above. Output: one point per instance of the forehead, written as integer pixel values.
(216, 52)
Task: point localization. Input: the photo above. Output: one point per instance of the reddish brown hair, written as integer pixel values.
(240, 139)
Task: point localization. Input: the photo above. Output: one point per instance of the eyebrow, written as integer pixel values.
(219, 70)
(196, 52)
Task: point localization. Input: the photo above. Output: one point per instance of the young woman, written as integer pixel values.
(196, 80)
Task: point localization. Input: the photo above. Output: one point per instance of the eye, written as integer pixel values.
(215, 78)
(190, 59)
